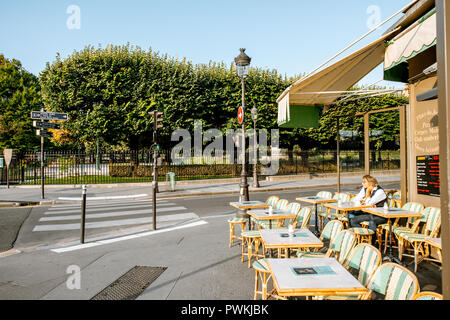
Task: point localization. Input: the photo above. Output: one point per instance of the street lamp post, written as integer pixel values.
(242, 62)
(255, 165)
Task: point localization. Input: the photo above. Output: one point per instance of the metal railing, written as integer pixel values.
(79, 167)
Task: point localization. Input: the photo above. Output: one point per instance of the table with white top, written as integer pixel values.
(246, 205)
(313, 277)
(264, 214)
(281, 239)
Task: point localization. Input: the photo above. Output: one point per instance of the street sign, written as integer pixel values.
(240, 115)
(46, 125)
(49, 115)
(7, 154)
(44, 133)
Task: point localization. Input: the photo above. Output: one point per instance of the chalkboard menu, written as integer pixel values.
(428, 182)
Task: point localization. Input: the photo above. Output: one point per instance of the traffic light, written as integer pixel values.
(156, 118)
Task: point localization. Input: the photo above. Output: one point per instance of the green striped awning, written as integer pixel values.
(420, 37)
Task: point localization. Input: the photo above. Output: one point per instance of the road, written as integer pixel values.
(59, 224)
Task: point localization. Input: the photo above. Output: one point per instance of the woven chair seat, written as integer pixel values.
(413, 237)
(261, 265)
(310, 254)
(362, 231)
(365, 224)
(251, 234)
(237, 220)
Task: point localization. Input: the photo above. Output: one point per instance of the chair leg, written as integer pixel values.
(244, 240)
(264, 286)
(400, 248)
(255, 296)
(249, 252)
(231, 233)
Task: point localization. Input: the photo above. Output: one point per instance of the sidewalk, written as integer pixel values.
(25, 195)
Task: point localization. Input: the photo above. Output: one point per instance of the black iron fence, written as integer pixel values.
(79, 167)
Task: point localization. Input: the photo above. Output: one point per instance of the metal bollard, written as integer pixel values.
(154, 203)
(83, 211)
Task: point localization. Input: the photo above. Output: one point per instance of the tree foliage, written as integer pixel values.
(19, 95)
(108, 93)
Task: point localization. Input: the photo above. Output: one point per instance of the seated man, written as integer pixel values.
(371, 194)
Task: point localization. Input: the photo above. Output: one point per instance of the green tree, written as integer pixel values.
(108, 93)
(19, 95)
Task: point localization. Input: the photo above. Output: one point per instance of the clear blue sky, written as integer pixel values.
(291, 36)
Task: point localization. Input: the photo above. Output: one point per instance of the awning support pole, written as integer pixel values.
(338, 156)
(403, 153)
(443, 61)
(366, 145)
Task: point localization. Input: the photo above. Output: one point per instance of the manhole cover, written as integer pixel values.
(131, 284)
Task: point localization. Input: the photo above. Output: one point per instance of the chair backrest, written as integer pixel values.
(394, 281)
(302, 218)
(433, 222)
(391, 203)
(364, 258)
(397, 195)
(415, 207)
(281, 204)
(345, 197)
(428, 295)
(294, 207)
(325, 195)
(331, 229)
(342, 244)
(272, 200)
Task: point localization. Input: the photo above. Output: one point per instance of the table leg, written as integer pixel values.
(390, 255)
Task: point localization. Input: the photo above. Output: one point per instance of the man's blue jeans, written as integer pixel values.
(358, 216)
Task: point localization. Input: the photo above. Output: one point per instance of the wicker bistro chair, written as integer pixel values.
(417, 239)
(428, 295)
(383, 229)
(365, 234)
(393, 281)
(302, 218)
(293, 208)
(396, 199)
(271, 201)
(328, 214)
(363, 259)
(321, 209)
(242, 222)
(262, 277)
(252, 240)
(339, 248)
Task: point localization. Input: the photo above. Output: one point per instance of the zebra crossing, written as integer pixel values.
(112, 214)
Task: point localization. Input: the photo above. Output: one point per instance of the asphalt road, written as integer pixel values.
(58, 224)
(11, 220)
